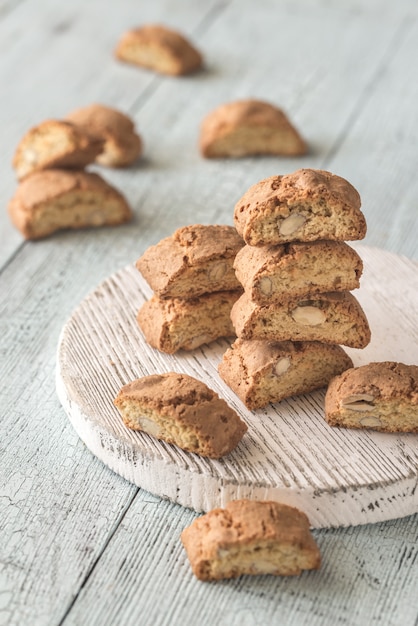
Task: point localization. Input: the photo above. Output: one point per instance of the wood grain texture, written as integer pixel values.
(78, 544)
(339, 477)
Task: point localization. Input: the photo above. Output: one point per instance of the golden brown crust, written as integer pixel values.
(183, 411)
(335, 318)
(121, 144)
(160, 49)
(382, 396)
(249, 127)
(55, 144)
(278, 273)
(196, 259)
(262, 371)
(250, 537)
(173, 324)
(306, 205)
(51, 200)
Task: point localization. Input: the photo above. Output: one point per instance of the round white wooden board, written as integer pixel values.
(338, 477)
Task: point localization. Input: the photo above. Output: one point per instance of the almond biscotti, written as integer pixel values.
(249, 127)
(261, 372)
(121, 143)
(335, 317)
(306, 205)
(173, 324)
(53, 200)
(250, 537)
(182, 411)
(195, 260)
(160, 49)
(382, 396)
(278, 273)
(55, 144)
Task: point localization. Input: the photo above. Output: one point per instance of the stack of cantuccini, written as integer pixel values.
(297, 273)
(55, 192)
(192, 276)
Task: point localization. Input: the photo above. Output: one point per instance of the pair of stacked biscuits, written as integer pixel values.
(192, 276)
(55, 191)
(297, 272)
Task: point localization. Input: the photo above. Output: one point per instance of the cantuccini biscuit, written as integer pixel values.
(250, 537)
(335, 317)
(52, 200)
(306, 205)
(183, 411)
(382, 396)
(278, 273)
(249, 127)
(55, 144)
(195, 260)
(173, 324)
(121, 143)
(160, 49)
(261, 372)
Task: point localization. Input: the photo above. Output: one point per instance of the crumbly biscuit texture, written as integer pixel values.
(183, 411)
(250, 537)
(55, 144)
(196, 259)
(278, 273)
(381, 396)
(306, 205)
(53, 200)
(335, 318)
(261, 372)
(121, 143)
(159, 48)
(173, 324)
(249, 127)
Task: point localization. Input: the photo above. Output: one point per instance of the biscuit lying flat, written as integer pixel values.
(263, 372)
(55, 144)
(160, 49)
(335, 317)
(304, 206)
(183, 411)
(249, 127)
(194, 260)
(121, 144)
(53, 200)
(177, 324)
(250, 537)
(279, 273)
(381, 396)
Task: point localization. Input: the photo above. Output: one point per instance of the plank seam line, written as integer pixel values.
(367, 91)
(206, 21)
(98, 557)
(12, 257)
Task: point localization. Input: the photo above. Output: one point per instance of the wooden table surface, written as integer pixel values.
(78, 543)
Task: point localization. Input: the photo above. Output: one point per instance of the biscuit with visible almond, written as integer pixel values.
(55, 144)
(250, 537)
(52, 200)
(381, 396)
(278, 273)
(196, 259)
(335, 317)
(160, 49)
(249, 128)
(306, 205)
(261, 372)
(173, 324)
(122, 145)
(183, 411)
